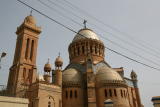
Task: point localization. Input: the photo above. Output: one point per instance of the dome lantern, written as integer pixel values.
(47, 67)
(58, 62)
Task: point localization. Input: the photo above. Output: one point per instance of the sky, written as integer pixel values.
(131, 24)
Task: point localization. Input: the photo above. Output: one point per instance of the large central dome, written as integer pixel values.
(86, 42)
(85, 33)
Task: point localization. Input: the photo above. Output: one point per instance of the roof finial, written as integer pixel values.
(31, 12)
(59, 54)
(84, 22)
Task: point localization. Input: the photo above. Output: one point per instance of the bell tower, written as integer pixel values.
(23, 71)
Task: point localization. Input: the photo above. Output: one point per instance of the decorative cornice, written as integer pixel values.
(29, 27)
(71, 84)
(111, 84)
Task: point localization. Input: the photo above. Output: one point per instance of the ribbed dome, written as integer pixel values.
(87, 33)
(71, 75)
(107, 74)
(30, 19)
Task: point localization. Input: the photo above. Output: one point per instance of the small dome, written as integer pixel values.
(40, 78)
(108, 101)
(59, 62)
(30, 19)
(71, 75)
(106, 74)
(87, 33)
(133, 75)
(47, 67)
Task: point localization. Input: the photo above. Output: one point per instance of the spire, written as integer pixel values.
(59, 54)
(85, 22)
(48, 61)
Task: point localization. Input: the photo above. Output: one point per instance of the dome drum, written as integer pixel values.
(72, 84)
(86, 43)
(111, 84)
(85, 47)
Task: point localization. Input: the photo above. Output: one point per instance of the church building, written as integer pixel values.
(87, 81)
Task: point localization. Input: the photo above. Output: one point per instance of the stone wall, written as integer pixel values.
(13, 102)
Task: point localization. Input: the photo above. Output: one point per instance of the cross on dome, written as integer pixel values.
(85, 22)
(31, 12)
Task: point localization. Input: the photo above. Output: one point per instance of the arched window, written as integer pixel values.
(121, 93)
(75, 94)
(32, 104)
(49, 104)
(115, 92)
(78, 50)
(127, 94)
(74, 49)
(83, 49)
(32, 49)
(105, 92)
(60, 103)
(71, 94)
(100, 50)
(66, 94)
(110, 92)
(27, 48)
(91, 49)
(24, 73)
(30, 75)
(95, 49)
(124, 93)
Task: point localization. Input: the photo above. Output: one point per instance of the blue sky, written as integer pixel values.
(138, 18)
